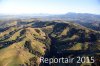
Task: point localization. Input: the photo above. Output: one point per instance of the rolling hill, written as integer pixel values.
(22, 43)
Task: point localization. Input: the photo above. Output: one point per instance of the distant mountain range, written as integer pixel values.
(88, 20)
(68, 16)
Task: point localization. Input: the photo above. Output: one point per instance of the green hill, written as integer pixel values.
(23, 43)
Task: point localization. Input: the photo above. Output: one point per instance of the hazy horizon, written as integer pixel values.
(17, 7)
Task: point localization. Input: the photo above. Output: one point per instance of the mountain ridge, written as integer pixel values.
(28, 41)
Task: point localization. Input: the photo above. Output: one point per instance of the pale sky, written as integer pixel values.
(49, 6)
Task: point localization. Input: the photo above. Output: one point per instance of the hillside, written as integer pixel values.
(20, 45)
(23, 43)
